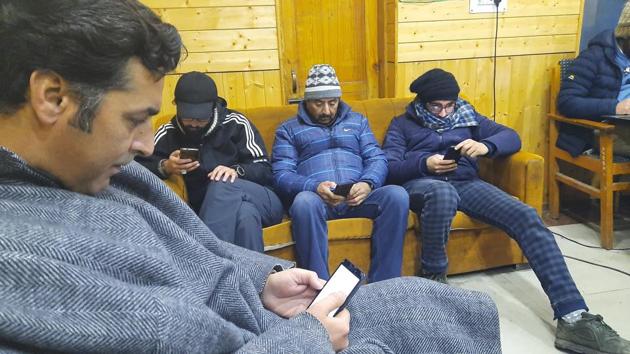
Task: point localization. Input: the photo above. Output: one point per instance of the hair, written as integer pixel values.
(87, 42)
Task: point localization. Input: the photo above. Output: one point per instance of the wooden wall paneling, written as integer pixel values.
(476, 48)
(195, 19)
(254, 88)
(372, 67)
(234, 89)
(273, 88)
(248, 60)
(458, 10)
(204, 3)
(230, 40)
(409, 32)
(289, 60)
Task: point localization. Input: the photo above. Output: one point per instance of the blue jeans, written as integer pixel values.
(237, 212)
(388, 206)
(435, 202)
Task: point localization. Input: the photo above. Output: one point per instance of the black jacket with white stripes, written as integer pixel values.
(231, 140)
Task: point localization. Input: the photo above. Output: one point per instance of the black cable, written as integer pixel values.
(588, 246)
(494, 62)
(598, 265)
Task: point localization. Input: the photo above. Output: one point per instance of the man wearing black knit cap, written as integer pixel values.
(416, 144)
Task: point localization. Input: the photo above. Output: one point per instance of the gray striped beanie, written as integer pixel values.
(623, 26)
(321, 83)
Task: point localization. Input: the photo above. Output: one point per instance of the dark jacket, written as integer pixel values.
(306, 154)
(589, 90)
(408, 144)
(232, 141)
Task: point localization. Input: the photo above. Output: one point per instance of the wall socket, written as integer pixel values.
(483, 6)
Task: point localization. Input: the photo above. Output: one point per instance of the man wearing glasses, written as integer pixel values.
(416, 144)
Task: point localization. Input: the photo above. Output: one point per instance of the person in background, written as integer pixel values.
(324, 146)
(438, 187)
(98, 255)
(597, 84)
(229, 183)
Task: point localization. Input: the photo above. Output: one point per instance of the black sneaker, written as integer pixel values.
(590, 334)
(438, 277)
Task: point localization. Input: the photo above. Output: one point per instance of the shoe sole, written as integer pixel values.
(577, 348)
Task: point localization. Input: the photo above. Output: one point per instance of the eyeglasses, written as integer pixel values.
(437, 108)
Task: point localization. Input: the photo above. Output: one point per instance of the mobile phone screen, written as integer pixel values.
(189, 153)
(345, 279)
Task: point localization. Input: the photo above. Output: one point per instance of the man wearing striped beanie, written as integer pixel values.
(328, 165)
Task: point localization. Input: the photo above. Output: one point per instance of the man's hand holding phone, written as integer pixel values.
(325, 191)
(472, 148)
(175, 164)
(437, 164)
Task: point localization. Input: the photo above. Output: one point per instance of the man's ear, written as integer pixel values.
(49, 96)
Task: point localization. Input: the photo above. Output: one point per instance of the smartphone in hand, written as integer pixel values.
(189, 153)
(343, 189)
(346, 279)
(452, 154)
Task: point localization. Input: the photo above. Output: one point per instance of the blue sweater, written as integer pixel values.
(408, 144)
(306, 154)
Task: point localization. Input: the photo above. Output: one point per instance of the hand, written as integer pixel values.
(175, 165)
(358, 193)
(338, 327)
(324, 191)
(289, 292)
(223, 172)
(623, 107)
(472, 148)
(437, 165)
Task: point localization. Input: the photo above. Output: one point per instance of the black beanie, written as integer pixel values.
(435, 84)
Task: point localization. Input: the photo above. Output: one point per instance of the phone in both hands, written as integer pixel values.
(452, 154)
(189, 153)
(343, 189)
(347, 278)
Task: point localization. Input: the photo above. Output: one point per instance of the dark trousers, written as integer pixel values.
(388, 206)
(237, 212)
(436, 202)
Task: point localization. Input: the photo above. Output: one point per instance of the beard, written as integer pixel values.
(194, 134)
(325, 119)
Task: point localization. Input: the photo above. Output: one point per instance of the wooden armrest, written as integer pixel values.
(604, 127)
(520, 174)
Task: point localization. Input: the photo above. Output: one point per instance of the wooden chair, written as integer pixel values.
(603, 165)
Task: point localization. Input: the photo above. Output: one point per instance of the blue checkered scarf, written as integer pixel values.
(463, 116)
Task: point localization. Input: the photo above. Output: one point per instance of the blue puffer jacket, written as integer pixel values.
(408, 144)
(589, 90)
(306, 154)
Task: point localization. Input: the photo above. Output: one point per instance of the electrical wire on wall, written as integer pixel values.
(494, 61)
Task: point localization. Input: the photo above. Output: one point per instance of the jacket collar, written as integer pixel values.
(606, 40)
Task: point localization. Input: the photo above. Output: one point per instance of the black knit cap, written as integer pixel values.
(435, 84)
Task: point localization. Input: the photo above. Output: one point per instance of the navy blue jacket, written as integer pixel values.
(589, 90)
(306, 153)
(408, 144)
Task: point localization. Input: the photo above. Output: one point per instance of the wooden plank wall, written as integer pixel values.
(234, 41)
(532, 37)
